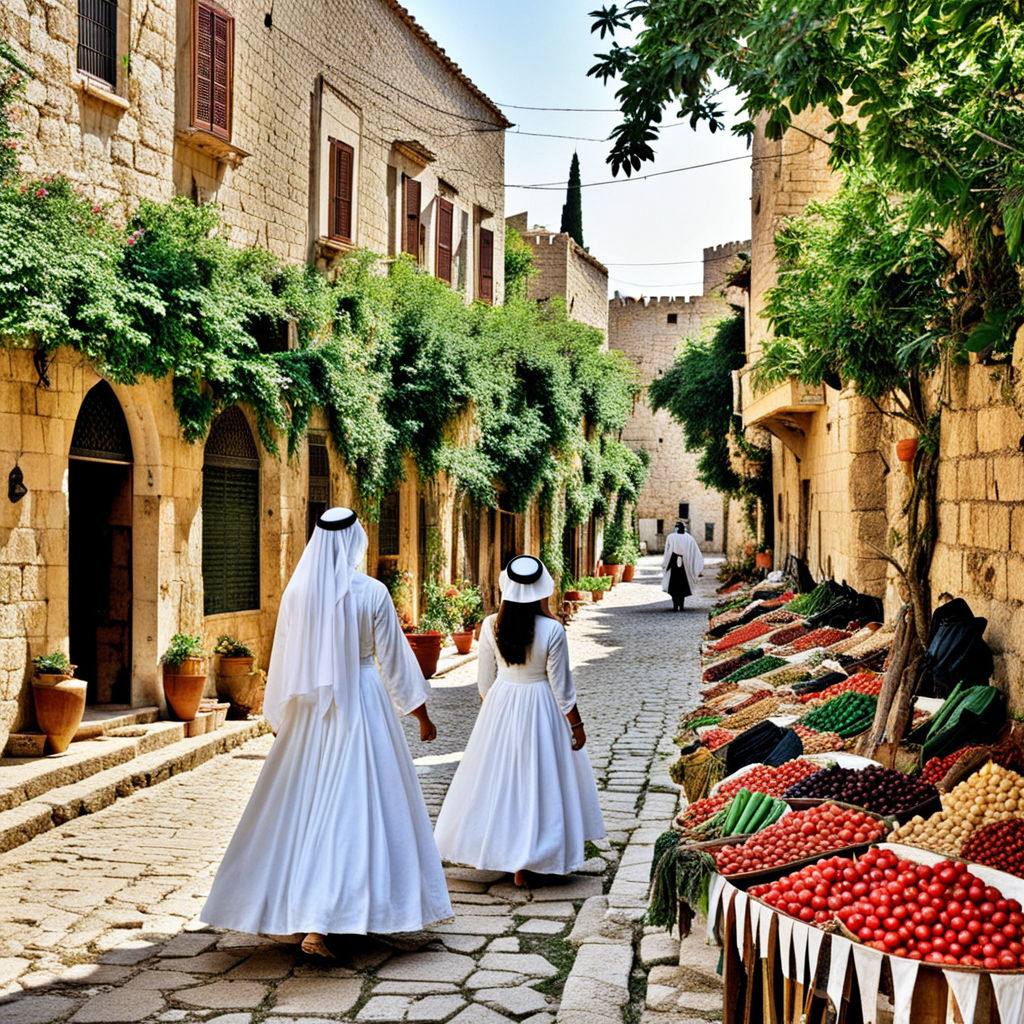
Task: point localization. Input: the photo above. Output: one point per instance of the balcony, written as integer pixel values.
(785, 409)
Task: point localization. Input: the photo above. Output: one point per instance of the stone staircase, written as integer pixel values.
(115, 752)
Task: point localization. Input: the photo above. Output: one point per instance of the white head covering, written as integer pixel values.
(525, 579)
(316, 642)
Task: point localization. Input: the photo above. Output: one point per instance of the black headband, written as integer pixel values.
(525, 577)
(336, 524)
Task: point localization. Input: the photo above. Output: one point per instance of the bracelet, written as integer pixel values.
(576, 725)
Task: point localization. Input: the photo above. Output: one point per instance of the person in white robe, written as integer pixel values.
(523, 797)
(336, 837)
(682, 564)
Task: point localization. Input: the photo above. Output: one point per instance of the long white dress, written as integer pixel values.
(687, 555)
(522, 798)
(336, 837)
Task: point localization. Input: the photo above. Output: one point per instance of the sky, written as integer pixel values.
(533, 53)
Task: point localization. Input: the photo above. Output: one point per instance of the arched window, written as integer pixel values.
(231, 516)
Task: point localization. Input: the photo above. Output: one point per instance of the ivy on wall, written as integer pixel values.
(393, 358)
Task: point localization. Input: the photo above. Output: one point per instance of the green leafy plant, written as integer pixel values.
(228, 647)
(400, 583)
(181, 647)
(52, 663)
(593, 583)
(442, 609)
(471, 605)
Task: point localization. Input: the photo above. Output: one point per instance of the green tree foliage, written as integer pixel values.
(518, 265)
(572, 209)
(924, 93)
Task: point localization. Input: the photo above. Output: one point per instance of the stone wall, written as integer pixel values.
(358, 70)
(566, 270)
(649, 332)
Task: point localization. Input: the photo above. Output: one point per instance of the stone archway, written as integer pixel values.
(100, 466)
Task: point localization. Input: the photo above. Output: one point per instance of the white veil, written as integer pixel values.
(316, 642)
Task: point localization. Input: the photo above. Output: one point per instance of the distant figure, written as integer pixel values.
(523, 798)
(336, 837)
(682, 563)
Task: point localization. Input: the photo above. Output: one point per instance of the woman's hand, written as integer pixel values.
(579, 734)
(428, 731)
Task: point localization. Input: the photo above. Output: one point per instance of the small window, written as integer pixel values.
(387, 530)
(231, 516)
(319, 493)
(673, 318)
(661, 526)
(411, 218)
(213, 39)
(485, 277)
(445, 223)
(709, 531)
(97, 40)
(339, 207)
(684, 510)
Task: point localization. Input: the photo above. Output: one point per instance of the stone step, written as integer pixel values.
(104, 718)
(46, 799)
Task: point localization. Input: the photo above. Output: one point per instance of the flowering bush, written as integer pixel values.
(471, 605)
(442, 611)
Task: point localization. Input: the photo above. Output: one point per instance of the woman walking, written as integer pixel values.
(523, 797)
(682, 563)
(336, 836)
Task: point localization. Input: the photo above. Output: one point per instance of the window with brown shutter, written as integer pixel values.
(213, 32)
(445, 217)
(339, 213)
(485, 277)
(411, 218)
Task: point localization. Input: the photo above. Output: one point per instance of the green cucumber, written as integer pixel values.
(736, 807)
(750, 812)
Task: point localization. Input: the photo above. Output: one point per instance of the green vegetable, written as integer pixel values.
(735, 811)
(680, 886)
(756, 668)
(751, 812)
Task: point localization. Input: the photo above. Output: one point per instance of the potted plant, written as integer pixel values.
(471, 614)
(59, 699)
(630, 555)
(440, 617)
(573, 592)
(399, 583)
(597, 585)
(763, 557)
(184, 675)
(237, 683)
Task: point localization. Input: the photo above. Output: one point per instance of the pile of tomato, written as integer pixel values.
(761, 778)
(717, 737)
(937, 913)
(936, 768)
(863, 682)
(798, 836)
(742, 635)
(999, 845)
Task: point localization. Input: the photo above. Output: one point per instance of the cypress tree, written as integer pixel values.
(572, 210)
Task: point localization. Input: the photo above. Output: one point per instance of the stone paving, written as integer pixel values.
(99, 917)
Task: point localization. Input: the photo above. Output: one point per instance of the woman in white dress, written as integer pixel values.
(523, 798)
(336, 837)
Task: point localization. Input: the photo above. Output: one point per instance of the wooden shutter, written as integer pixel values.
(339, 216)
(445, 217)
(485, 287)
(411, 218)
(212, 59)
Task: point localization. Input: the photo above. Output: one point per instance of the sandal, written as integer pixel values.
(314, 945)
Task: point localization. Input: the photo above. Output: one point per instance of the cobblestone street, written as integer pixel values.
(98, 918)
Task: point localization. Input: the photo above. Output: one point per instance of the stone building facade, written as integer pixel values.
(565, 270)
(838, 485)
(649, 331)
(318, 128)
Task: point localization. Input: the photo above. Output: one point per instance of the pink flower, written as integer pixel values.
(41, 192)
(97, 209)
(131, 241)
(117, 223)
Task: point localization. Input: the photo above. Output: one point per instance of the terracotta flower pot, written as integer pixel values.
(574, 595)
(596, 595)
(906, 452)
(627, 573)
(183, 694)
(59, 709)
(242, 688)
(615, 571)
(477, 628)
(463, 641)
(427, 648)
(763, 560)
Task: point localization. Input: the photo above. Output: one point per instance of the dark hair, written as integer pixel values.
(514, 627)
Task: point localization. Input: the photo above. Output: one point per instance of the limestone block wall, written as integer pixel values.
(36, 426)
(830, 503)
(359, 70)
(565, 269)
(649, 332)
(979, 554)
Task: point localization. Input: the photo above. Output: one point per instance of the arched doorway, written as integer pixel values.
(100, 547)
